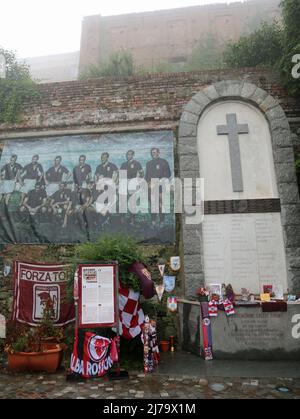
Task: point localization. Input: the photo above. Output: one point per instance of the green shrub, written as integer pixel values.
(125, 250)
(262, 47)
(118, 65)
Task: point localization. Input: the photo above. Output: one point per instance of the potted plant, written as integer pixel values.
(164, 345)
(31, 349)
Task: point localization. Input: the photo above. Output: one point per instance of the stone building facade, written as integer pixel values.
(172, 102)
(170, 35)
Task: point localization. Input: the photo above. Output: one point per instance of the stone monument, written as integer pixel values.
(237, 137)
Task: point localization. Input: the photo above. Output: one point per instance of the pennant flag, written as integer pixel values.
(169, 283)
(175, 263)
(172, 304)
(160, 289)
(162, 269)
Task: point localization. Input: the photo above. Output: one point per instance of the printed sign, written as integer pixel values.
(97, 295)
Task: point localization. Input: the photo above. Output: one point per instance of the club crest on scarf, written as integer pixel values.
(169, 283)
(98, 348)
(93, 355)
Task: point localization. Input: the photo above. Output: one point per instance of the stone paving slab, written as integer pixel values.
(189, 365)
(154, 386)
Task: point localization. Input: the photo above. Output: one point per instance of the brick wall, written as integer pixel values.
(152, 99)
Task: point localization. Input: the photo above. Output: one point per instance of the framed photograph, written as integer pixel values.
(268, 289)
(98, 295)
(215, 289)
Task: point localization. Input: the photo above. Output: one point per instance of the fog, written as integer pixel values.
(44, 27)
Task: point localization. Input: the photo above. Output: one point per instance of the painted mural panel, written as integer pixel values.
(53, 190)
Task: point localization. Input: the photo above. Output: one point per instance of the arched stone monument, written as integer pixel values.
(237, 137)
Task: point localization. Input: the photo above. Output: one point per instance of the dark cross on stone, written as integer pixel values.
(233, 129)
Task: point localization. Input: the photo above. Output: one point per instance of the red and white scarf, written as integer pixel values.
(213, 308)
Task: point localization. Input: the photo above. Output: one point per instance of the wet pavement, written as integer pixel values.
(180, 376)
(139, 386)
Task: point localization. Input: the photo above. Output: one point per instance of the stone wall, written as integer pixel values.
(249, 334)
(137, 103)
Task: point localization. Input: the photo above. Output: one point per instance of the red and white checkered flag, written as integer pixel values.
(130, 312)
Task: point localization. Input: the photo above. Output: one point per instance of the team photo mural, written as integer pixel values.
(51, 188)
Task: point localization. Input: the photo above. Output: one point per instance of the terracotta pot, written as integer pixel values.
(46, 361)
(164, 345)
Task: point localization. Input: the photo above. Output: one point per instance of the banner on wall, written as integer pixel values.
(35, 286)
(53, 190)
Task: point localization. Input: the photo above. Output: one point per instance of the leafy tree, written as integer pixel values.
(119, 65)
(206, 56)
(291, 44)
(15, 88)
(14, 69)
(262, 47)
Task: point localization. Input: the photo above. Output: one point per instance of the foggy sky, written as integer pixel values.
(44, 27)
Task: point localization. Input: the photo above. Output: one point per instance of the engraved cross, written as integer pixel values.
(233, 129)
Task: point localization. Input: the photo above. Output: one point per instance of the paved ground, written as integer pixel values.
(216, 380)
(187, 364)
(140, 387)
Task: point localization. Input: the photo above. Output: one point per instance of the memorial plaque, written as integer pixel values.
(244, 250)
